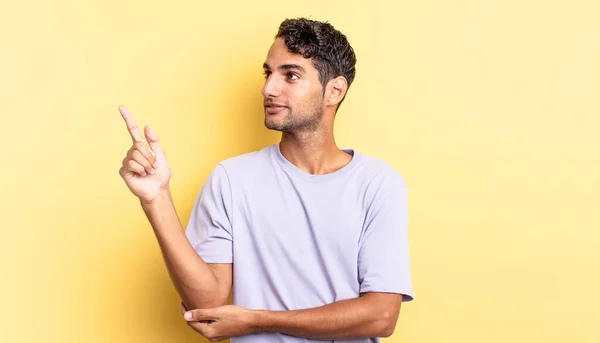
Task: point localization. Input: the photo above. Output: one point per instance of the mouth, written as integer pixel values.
(274, 108)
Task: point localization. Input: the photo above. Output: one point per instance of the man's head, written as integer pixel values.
(308, 71)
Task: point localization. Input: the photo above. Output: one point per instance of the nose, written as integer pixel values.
(272, 88)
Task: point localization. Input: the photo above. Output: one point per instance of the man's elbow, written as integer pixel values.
(388, 331)
(387, 324)
(384, 310)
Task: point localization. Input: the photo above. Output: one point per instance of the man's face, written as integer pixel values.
(292, 93)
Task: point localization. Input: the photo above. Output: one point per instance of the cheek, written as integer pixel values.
(304, 95)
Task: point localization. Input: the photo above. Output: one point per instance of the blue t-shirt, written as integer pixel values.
(298, 240)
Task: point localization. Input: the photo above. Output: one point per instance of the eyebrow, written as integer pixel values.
(286, 67)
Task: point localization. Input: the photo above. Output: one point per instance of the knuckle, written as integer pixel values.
(133, 165)
(139, 157)
(143, 151)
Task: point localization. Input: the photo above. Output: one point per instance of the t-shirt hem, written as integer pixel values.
(216, 259)
(406, 294)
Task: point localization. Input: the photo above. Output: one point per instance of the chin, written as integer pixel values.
(272, 125)
(272, 120)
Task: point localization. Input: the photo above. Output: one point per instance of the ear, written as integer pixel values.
(336, 90)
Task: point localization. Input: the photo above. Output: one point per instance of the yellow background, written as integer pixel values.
(490, 110)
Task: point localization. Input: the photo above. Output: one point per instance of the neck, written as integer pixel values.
(315, 152)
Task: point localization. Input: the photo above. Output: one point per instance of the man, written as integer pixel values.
(313, 239)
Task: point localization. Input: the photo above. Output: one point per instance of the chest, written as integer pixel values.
(302, 219)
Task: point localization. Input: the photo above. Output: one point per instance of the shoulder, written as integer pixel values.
(235, 171)
(381, 173)
(247, 163)
(386, 188)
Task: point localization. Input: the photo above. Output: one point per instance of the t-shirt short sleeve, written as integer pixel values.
(383, 257)
(209, 229)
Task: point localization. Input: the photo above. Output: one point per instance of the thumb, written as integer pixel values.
(197, 315)
(153, 141)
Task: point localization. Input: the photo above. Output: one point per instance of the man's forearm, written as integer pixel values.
(192, 277)
(346, 319)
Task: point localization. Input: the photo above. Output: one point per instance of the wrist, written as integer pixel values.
(163, 195)
(260, 321)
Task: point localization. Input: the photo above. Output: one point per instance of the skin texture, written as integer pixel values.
(290, 81)
(305, 118)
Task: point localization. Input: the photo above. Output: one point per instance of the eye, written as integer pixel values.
(292, 76)
(266, 73)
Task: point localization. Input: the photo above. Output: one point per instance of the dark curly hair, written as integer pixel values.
(328, 48)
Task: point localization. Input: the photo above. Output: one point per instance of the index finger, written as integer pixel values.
(134, 131)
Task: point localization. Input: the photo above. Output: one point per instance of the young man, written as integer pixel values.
(313, 239)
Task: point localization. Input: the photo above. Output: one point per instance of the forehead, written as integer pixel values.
(279, 55)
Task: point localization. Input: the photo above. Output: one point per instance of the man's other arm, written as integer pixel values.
(371, 315)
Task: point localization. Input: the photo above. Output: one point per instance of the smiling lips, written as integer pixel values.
(273, 108)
